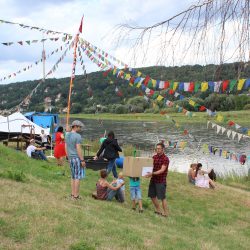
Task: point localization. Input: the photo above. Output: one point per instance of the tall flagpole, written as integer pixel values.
(44, 58)
(73, 73)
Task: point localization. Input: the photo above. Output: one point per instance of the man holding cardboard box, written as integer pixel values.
(157, 186)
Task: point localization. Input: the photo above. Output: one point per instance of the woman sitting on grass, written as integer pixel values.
(201, 180)
(107, 191)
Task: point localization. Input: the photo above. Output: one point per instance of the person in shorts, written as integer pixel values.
(135, 192)
(157, 185)
(74, 153)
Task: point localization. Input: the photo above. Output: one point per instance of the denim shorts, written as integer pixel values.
(77, 172)
(135, 193)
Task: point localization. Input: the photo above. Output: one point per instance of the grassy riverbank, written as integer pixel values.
(35, 213)
(241, 117)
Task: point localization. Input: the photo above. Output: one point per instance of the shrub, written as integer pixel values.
(121, 109)
(247, 107)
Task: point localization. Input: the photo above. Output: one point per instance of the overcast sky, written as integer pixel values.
(100, 18)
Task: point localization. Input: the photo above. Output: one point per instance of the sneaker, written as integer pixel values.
(133, 208)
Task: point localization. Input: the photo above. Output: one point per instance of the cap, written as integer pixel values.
(77, 123)
(32, 141)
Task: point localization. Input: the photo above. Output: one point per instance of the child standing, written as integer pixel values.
(135, 192)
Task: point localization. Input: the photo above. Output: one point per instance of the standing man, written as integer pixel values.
(74, 152)
(157, 186)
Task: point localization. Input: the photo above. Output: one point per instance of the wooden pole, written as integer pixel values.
(71, 80)
(73, 74)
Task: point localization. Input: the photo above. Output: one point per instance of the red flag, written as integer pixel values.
(80, 28)
(225, 85)
(171, 92)
(191, 87)
(146, 80)
(202, 108)
(231, 123)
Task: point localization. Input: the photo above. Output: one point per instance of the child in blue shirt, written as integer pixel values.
(135, 192)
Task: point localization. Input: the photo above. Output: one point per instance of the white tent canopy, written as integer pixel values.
(17, 123)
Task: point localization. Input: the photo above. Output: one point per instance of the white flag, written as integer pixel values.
(237, 126)
(218, 129)
(208, 122)
(233, 134)
(229, 132)
(239, 136)
(223, 130)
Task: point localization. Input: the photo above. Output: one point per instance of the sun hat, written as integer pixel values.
(77, 123)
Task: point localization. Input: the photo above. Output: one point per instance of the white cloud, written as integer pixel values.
(101, 16)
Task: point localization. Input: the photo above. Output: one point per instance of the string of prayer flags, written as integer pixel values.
(34, 28)
(30, 66)
(29, 42)
(229, 133)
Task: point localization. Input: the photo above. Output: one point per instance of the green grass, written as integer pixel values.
(242, 117)
(35, 213)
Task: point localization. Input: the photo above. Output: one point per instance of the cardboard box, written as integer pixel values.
(133, 166)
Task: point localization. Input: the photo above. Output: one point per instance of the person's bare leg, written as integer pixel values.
(133, 204)
(76, 187)
(60, 161)
(165, 207)
(156, 204)
(140, 204)
(211, 183)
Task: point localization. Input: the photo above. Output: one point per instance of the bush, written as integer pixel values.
(247, 107)
(121, 109)
(151, 110)
(90, 110)
(76, 108)
(138, 101)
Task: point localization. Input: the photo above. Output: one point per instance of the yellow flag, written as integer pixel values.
(183, 144)
(127, 76)
(204, 86)
(153, 82)
(220, 118)
(248, 133)
(159, 98)
(205, 148)
(138, 85)
(139, 73)
(114, 71)
(191, 102)
(175, 85)
(240, 84)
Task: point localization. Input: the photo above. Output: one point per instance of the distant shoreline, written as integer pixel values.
(242, 117)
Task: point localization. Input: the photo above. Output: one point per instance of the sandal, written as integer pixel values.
(76, 198)
(159, 213)
(140, 211)
(164, 215)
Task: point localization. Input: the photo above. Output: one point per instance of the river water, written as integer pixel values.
(144, 135)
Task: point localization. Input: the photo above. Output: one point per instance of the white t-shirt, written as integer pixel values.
(44, 137)
(30, 149)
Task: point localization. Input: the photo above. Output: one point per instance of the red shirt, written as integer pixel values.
(160, 160)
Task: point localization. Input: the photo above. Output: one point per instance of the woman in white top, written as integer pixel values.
(202, 180)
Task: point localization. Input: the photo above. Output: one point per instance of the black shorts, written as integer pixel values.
(157, 190)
